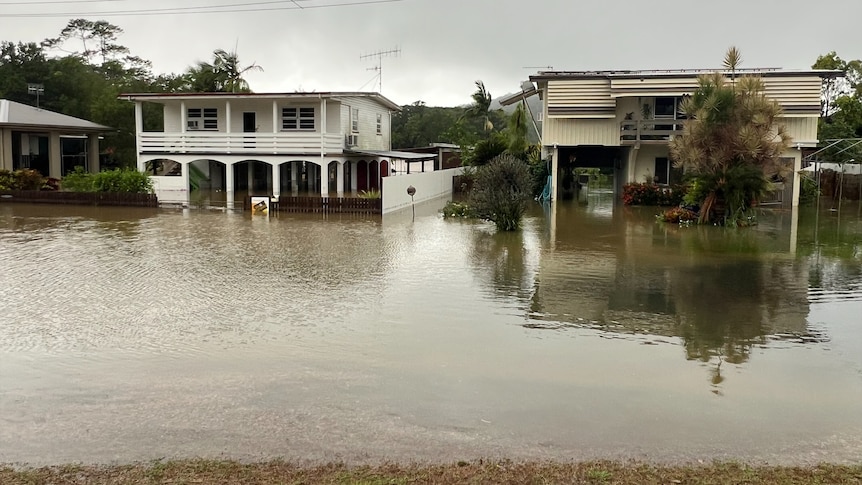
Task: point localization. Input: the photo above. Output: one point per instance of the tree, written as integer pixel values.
(731, 145)
(481, 106)
(842, 108)
(224, 74)
(98, 38)
(501, 191)
(849, 84)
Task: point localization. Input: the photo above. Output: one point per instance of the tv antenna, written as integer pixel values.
(37, 89)
(379, 55)
(548, 68)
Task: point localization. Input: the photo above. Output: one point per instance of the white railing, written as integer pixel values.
(239, 143)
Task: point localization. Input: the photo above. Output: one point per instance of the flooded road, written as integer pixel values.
(595, 332)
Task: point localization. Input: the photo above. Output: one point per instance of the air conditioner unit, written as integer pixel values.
(352, 140)
(193, 124)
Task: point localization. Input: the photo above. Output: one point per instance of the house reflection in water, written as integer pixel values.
(719, 292)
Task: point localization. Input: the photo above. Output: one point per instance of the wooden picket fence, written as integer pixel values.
(79, 198)
(355, 205)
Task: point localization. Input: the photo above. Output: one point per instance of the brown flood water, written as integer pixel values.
(130, 335)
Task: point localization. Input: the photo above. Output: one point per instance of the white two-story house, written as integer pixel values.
(224, 147)
(623, 121)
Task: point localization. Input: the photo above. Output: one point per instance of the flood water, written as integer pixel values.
(595, 332)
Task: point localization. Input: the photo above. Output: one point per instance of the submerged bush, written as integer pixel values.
(369, 194)
(652, 194)
(501, 192)
(126, 181)
(678, 215)
(457, 209)
(22, 179)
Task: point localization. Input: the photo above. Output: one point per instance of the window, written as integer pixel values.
(662, 170)
(202, 119)
(354, 120)
(379, 124)
(665, 108)
(297, 118)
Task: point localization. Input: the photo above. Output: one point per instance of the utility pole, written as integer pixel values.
(379, 55)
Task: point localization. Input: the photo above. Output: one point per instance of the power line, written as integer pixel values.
(54, 2)
(197, 10)
(162, 10)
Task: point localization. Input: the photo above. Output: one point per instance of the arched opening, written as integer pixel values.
(384, 169)
(207, 182)
(252, 178)
(163, 167)
(361, 176)
(332, 177)
(300, 177)
(374, 175)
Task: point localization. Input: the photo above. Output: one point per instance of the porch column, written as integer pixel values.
(186, 189)
(275, 123)
(54, 156)
(184, 117)
(294, 177)
(324, 178)
(797, 179)
(139, 129)
(228, 184)
(93, 152)
(227, 118)
(339, 182)
(555, 175)
(276, 179)
(250, 173)
(354, 180)
(6, 150)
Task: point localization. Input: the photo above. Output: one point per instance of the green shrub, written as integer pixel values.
(808, 190)
(369, 194)
(652, 194)
(122, 180)
(678, 215)
(458, 209)
(502, 191)
(22, 179)
(127, 181)
(78, 180)
(7, 180)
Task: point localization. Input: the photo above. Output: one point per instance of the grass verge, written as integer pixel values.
(497, 472)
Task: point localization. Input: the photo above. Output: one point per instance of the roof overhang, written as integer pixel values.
(157, 97)
(514, 98)
(398, 155)
(680, 73)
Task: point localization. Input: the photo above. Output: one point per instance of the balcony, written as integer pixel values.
(240, 143)
(649, 131)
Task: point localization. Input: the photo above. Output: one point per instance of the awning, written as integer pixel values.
(398, 155)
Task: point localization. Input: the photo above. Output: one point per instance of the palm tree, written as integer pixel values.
(731, 144)
(224, 74)
(227, 68)
(481, 106)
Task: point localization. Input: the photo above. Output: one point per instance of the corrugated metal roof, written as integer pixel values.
(399, 155)
(22, 115)
(682, 73)
(330, 94)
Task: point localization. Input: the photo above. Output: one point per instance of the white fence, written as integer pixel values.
(428, 185)
(274, 143)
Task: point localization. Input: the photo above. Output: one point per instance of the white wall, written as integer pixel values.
(170, 190)
(429, 185)
(368, 111)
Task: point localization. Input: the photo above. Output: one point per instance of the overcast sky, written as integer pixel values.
(446, 45)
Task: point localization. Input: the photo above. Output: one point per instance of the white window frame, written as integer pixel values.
(354, 120)
(202, 119)
(379, 124)
(298, 118)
